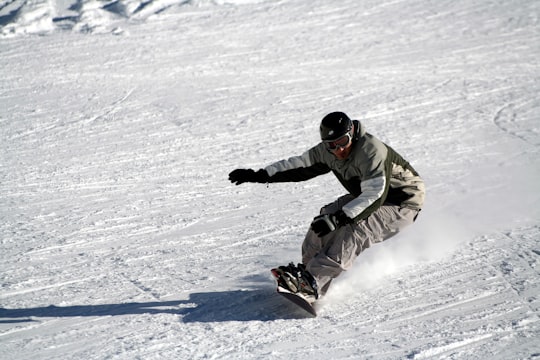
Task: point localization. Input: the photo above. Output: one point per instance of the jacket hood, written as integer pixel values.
(359, 130)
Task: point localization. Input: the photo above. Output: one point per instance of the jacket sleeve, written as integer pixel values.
(297, 168)
(375, 182)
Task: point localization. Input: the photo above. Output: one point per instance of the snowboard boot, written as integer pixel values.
(296, 279)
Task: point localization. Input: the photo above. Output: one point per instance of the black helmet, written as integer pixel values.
(334, 125)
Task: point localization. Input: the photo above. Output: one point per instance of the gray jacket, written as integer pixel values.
(374, 173)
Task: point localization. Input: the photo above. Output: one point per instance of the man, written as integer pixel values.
(385, 194)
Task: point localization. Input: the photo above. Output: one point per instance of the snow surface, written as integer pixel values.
(121, 237)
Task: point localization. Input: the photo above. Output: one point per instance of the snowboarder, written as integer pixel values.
(385, 194)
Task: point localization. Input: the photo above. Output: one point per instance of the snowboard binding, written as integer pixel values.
(297, 280)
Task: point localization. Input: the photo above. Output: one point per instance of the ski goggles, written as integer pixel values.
(340, 142)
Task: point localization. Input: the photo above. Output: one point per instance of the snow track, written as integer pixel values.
(121, 238)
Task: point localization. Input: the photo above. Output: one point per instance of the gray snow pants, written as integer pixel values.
(325, 258)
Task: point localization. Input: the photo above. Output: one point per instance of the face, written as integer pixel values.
(342, 152)
(341, 147)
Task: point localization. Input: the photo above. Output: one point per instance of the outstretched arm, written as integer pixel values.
(296, 168)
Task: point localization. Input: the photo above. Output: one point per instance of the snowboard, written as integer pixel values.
(298, 299)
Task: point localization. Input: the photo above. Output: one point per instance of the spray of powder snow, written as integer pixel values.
(432, 237)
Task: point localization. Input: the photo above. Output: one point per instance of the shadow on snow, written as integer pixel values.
(237, 305)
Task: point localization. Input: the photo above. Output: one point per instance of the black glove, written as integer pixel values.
(324, 224)
(240, 176)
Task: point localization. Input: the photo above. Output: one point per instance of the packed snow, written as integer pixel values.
(121, 237)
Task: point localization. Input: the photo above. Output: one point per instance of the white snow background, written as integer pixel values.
(121, 237)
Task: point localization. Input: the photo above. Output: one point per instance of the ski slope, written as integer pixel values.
(121, 237)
